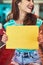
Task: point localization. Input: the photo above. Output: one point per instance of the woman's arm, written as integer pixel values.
(1, 44)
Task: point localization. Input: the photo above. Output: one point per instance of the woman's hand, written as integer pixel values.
(40, 37)
(4, 37)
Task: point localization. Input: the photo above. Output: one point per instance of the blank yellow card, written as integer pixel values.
(22, 37)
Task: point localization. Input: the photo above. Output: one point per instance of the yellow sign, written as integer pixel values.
(22, 37)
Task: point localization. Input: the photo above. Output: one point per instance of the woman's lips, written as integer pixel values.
(30, 7)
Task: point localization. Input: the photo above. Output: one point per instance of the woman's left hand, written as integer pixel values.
(40, 37)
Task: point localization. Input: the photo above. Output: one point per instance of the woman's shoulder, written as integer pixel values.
(9, 23)
(39, 22)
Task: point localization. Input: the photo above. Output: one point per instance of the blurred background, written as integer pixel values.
(5, 8)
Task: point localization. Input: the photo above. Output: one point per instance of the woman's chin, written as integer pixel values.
(29, 11)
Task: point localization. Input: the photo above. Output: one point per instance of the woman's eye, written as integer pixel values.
(32, 0)
(28, 0)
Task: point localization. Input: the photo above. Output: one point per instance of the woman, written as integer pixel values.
(22, 15)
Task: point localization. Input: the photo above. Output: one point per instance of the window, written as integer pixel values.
(41, 10)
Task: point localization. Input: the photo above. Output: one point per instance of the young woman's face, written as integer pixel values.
(26, 5)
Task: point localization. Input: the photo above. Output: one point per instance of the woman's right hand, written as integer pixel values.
(4, 37)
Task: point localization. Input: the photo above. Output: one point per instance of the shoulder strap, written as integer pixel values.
(39, 22)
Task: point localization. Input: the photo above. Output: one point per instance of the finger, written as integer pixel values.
(4, 32)
(5, 36)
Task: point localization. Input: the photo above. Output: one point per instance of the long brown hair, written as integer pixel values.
(30, 19)
(15, 9)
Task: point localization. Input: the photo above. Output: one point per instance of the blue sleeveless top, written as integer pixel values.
(13, 23)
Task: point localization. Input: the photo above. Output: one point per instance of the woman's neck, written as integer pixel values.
(21, 17)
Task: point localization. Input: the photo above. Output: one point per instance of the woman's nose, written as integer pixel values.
(31, 2)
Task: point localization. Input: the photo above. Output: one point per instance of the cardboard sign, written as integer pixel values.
(22, 37)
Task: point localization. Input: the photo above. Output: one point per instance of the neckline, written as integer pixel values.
(17, 23)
